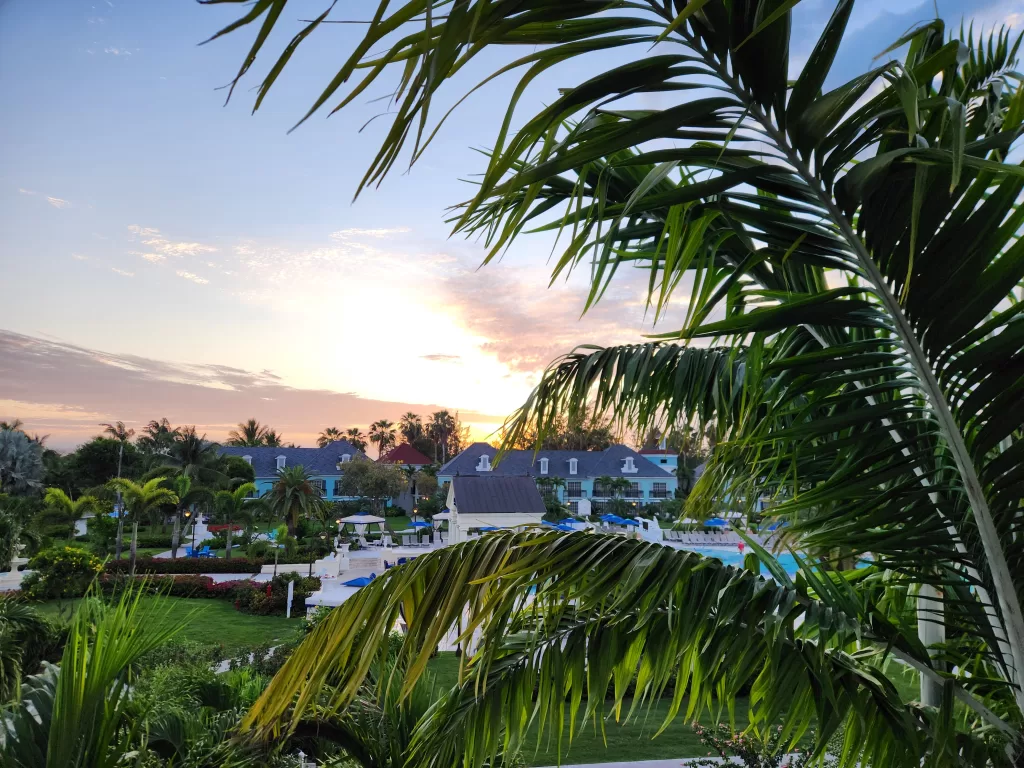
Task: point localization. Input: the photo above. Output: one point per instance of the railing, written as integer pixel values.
(634, 493)
(574, 493)
(659, 494)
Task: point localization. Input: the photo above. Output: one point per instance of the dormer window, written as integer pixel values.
(573, 466)
(484, 465)
(280, 462)
(248, 460)
(628, 465)
(345, 458)
(543, 466)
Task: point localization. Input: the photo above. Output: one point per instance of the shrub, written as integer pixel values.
(186, 565)
(259, 549)
(272, 597)
(61, 572)
(222, 527)
(737, 750)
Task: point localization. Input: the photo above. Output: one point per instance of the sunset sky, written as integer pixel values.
(166, 255)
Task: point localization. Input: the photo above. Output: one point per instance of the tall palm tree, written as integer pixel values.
(189, 495)
(293, 497)
(248, 433)
(355, 436)
(273, 439)
(158, 436)
(411, 426)
(230, 507)
(118, 431)
(142, 500)
(855, 253)
(440, 428)
(382, 434)
(21, 462)
(193, 455)
(70, 509)
(329, 435)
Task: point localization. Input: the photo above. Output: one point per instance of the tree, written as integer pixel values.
(411, 427)
(157, 437)
(15, 530)
(440, 428)
(293, 497)
(70, 510)
(356, 437)
(375, 482)
(189, 497)
(21, 462)
(273, 439)
(575, 433)
(118, 431)
(329, 435)
(855, 254)
(230, 506)
(20, 628)
(248, 433)
(382, 434)
(193, 455)
(142, 500)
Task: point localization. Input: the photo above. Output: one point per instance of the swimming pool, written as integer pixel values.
(732, 556)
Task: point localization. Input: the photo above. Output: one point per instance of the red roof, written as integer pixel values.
(404, 454)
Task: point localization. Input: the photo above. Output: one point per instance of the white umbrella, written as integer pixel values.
(362, 519)
(442, 516)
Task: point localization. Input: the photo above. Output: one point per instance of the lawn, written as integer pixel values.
(207, 621)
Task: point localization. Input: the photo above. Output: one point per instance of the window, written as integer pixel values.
(660, 491)
(543, 466)
(484, 465)
(248, 460)
(574, 507)
(346, 458)
(574, 489)
(320, 486)
(601, 490)
(252, 494)
(664, 461)
(634, 491)
(573, 464)
(337, 488)
(280, 462)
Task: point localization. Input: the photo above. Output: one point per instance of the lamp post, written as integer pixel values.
(188, 514)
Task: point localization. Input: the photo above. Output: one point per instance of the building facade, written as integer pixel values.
(326, 465)
(571, 476)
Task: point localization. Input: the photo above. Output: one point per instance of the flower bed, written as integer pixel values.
(184, 565)
(222, 527)
(248, 596)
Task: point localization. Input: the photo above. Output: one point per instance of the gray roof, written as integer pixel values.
(316, 461)
(589, 463)
(488, 495)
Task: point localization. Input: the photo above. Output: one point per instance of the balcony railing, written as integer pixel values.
(634, 493)
(659, 494)
(575, 493)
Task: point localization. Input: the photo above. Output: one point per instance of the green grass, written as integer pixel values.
(206, 621)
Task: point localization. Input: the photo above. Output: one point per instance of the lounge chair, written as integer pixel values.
(189, 552)
(386, 540)
(205, 552)
(402, 560)
(387, 565)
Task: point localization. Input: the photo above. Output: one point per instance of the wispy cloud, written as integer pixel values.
(153, 258)
(79, 257)
(144, 231)
(345, 234)
(191, 276)
(439, 358)
(180, 248)
(117, 51)
(122, 272)
(57, 202)
(25, 191)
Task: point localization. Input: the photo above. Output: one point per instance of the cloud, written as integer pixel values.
(67, 390)
(25, 191)
(346, 234)
(117, 51)
(177, 248)
(122, 272)
(439, 358)
(79, 257)
(145, 231)
(56, 202)
(191, 276)
(153, 258)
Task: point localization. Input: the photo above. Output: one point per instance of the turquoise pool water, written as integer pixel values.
(732, 556)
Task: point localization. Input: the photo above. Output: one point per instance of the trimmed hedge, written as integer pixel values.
(186, 565)
(248, 596)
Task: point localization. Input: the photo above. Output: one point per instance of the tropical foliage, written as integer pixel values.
(231, 508)
(854, 256)
(293, 497)
(382, 435)
(21, 462)
(248, 433)
(328, 435)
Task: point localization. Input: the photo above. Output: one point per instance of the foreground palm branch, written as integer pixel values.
(855, 254)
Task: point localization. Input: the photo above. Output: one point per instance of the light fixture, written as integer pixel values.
(188, 513)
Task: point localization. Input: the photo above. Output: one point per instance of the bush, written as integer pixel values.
(61, 572)
(272, 597)
(186, 565)
(259, 549)
(222, 527)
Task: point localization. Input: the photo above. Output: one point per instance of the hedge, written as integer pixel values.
(248, 596)
(186, 565)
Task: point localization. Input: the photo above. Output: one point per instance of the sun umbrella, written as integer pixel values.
(568, 521)
(362, 519)
(716, 522)
(774, 526)
(362, 581)
(627, 521)
(558, 527)
(443, 515)
(490, 528)
(420, 525)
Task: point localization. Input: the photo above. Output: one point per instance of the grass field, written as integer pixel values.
(206, 621)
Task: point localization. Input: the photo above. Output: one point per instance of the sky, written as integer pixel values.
(164, 254)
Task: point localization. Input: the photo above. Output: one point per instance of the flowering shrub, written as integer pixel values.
(187, 565)
(737, 750)
(61, 572)
(272, 596)
(222, 527)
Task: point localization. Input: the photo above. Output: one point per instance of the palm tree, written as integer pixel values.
(158, 436)
(193, 455)
(855, 254)
(355, 436)
(13, 426)
(21, 462)
(20, 626)
(440, 428)
(118, 431)
(329, 435)
(273, 439)
(70, 509)
(188, 498)
(230, 506)
(382, 434)
(411, 426)
(141, 500)
(293, 496)
(248, 433)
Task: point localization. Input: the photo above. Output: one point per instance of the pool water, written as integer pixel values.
(732, 556)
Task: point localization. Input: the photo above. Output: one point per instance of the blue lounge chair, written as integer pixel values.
(387, 565)
(189, 552)
(205, 552)
(402, 561)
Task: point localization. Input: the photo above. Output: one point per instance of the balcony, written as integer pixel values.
(575, 493)
(660, 495)
(634, 493)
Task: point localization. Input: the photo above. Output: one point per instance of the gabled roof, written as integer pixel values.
(589, 463)
(316, 461)
(404, 454)
(491, 495)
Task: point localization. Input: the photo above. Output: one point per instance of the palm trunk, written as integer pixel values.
(134, 546)
(176, 533)
(227, 541)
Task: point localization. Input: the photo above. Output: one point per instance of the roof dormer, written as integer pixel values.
(629, 466)
(248, 460)
(573, 466)
(484, 465)
(280, 461)
(345, 458)
(543, 466)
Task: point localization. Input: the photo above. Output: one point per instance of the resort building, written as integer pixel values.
(481, 503)
(410, 460)
(571, 476)
(665, 458)
(326, 465)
